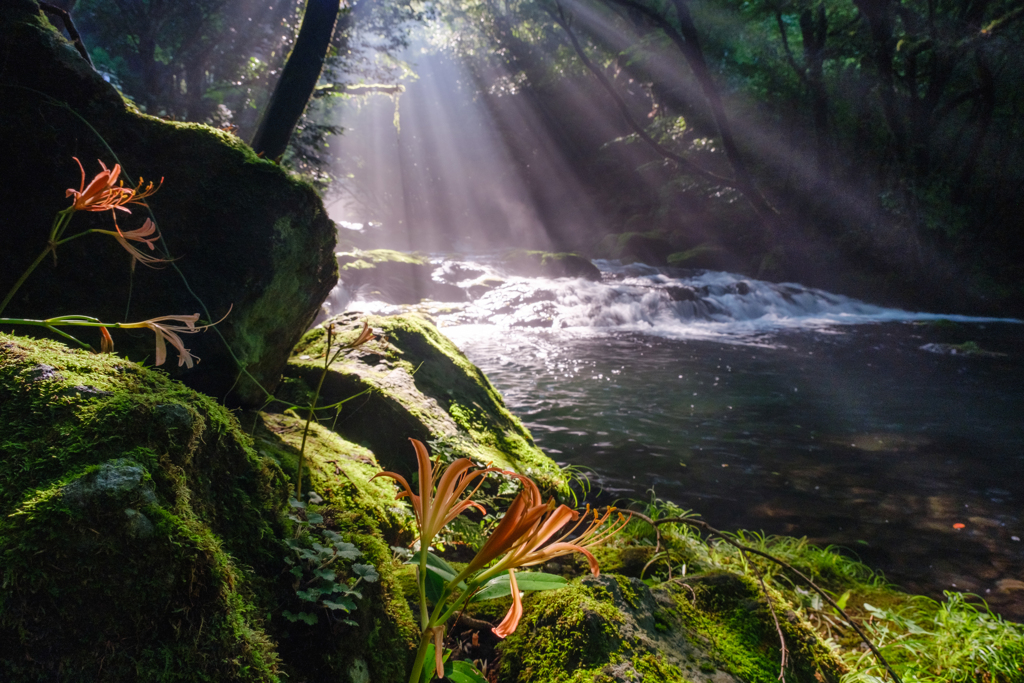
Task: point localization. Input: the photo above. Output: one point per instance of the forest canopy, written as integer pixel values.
(803, 138)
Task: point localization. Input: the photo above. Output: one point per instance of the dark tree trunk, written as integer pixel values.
(814, 31)
(298, 78)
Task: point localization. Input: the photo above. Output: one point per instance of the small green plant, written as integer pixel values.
(318, 555)
(331, 354)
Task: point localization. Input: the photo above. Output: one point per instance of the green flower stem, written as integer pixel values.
(421, 655)
(60, 224)
(21, 280)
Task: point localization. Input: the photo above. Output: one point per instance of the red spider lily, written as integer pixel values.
(509, 624)
(106, 341)
(440, 499)
(138, 235)
(103, 193)
(522, 538)
(169, 333)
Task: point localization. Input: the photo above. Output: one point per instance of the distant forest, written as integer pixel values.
(876, 146)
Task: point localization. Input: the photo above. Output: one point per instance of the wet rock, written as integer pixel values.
(683, 293)
(547, 264)
(173, 416)
(112, 482)
(86, 391)
(42, 373)
(395, 277)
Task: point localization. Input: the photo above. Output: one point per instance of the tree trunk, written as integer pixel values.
(298, 78)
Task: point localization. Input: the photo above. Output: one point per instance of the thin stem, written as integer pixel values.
(21, 280)
(421, 655)
(312, 413)
(422, 581)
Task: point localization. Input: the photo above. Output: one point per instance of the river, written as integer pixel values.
(896, 435)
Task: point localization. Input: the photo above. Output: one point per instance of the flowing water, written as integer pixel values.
(899, 436)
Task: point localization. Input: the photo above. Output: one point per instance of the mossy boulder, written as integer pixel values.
(143, 535)
(395, 276)
(547, 264)
(609, 628)
(245, 236)
(707, 256)
(418, 385)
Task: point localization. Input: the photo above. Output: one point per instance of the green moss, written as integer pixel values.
(566, 635)
(162, 532)
(373, 257)
(730, 615)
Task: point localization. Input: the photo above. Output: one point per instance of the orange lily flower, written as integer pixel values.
(440, 499)
(522, 538)
(103, 193)
(169, 333)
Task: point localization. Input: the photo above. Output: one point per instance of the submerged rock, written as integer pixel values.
(249, 241)
(546, 264)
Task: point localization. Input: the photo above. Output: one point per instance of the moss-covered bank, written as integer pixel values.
(143, 536)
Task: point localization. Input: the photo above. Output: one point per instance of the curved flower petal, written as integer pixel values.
(509, 624)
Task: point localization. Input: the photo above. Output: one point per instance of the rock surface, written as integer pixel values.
(249, 242)
(419, 386)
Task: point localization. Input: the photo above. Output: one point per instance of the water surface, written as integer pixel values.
(776, 408)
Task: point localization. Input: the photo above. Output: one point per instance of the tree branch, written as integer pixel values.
(69, 26)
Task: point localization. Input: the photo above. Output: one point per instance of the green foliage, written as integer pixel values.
(954, 641)
(315, 564)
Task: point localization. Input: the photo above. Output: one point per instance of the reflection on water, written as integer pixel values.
(854, 436)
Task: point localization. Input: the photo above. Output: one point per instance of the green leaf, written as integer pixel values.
(312, 595)
(498, 587)
(435, 587)
(464, 672)
(296, 503)
(315, 518)
(325, 574)
(347, 551)
(439, 567)
(367, 572)
(343, 604)
(296, 572)
(301, 616)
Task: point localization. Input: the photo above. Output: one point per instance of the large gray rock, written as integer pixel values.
(246, 237)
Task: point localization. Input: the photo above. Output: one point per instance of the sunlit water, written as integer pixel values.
(773, 407)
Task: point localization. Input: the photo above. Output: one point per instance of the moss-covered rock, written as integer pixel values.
(613, 628)
(143, 537)
(547, 264)
(245, 236)
(419, 386)
(395, 276)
